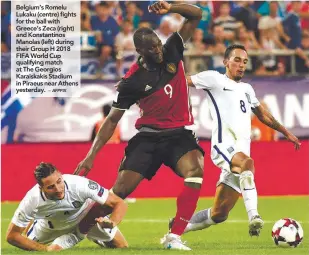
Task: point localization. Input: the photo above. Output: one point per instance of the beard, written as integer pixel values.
(237, 78)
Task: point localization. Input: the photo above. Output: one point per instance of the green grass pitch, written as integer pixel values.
(146, 222)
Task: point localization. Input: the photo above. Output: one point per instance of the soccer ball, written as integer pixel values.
(287, 233)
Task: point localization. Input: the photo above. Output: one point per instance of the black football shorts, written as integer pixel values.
(147, 151)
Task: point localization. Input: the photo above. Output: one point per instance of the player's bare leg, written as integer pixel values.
(95, 234)
(244, 165)
(125, 184)
(190, 167)
(225, 199)
(118, 241)
(103, 239)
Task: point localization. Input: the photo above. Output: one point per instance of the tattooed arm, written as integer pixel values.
(265, 117)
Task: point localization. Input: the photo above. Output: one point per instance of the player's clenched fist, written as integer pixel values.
(160, 7)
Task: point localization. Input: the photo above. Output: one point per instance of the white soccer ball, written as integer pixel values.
(287, 233)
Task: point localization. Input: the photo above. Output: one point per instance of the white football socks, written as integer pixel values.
(200, 220)
(249, 193)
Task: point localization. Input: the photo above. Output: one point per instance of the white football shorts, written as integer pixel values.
(39, 233)
(221, 156)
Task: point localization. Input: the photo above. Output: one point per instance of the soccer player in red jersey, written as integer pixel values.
(157, 83)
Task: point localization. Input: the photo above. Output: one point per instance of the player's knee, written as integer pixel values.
(120, 190)
(194, 178)
(248, 164)
(120, 193)
(220, 215)
(195, 172)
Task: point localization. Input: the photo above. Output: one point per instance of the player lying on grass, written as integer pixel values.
(157, 83)
(231, 102)
(64, 209)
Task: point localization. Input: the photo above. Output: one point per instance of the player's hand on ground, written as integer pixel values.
(54, 247)
(85, 165)
(292, 138)
(160, 7)
(105, 222)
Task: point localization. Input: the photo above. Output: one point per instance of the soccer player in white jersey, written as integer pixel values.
(231, 102)
(64, 210)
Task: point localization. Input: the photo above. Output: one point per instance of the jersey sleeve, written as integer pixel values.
(254, 101)
(205, 80)
(125, 96)
(175, 41)
(25, 211)
(90, 189)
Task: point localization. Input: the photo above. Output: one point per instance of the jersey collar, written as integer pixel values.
(231, 79)
(143, 65)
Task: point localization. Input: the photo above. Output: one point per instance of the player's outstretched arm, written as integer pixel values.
(192, 13)
(106, 131)
(265, 117)
(14, 237)
(119, 210)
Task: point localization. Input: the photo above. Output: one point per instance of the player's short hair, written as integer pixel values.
(43, 170)
(139, 35)
(232, 47)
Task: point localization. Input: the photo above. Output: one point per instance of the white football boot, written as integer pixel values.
(255, 225)
(173, 242)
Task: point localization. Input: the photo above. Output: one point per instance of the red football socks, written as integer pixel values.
(186, 205)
